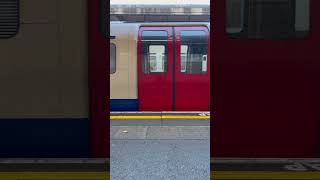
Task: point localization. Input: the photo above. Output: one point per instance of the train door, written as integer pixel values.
(173, 69)
(192, 69)
(155, 60)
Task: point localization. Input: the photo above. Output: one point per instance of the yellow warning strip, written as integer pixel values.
(135, 117)
(186, 117)
(220, 175)
(54, 175)
(159, 117)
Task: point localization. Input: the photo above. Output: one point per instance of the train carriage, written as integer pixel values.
(159, 66)
(266, 79)
(52, 95)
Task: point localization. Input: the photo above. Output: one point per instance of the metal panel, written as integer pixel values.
(160, 13)
(161, 9)
(9, 18)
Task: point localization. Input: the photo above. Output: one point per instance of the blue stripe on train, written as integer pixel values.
(44, 138)
(123, 105)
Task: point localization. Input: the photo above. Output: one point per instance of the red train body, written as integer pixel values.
(265, 91)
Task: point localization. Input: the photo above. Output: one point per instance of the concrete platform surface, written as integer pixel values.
(160, 132)
(160, 152)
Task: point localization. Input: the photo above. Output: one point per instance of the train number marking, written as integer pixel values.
(204, 114)
(303, 167)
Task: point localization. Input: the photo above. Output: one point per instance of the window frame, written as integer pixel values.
(115, 58)
(164, 63)
(150, 43)
(187, 53)
(243, 34)
(17, 30)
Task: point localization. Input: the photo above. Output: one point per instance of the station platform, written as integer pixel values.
(160, 145)
(265, 169)
(54, 169)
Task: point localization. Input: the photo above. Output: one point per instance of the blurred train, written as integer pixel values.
(266, 71)
(265, 91)
(159, 66)
(52, 95)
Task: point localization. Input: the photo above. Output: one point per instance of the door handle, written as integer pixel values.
(204, 63)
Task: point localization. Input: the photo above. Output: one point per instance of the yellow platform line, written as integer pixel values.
(54, 175)
(220, 175)
(159, 117)
(186, 117)
(135, 117)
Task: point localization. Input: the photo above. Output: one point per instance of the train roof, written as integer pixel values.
(163, 9)
(118, 28)
(140, 24)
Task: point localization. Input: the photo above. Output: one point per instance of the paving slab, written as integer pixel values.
(178, 132)
(160, 132)
(129, 132)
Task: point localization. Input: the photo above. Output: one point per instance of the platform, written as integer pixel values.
(153, 146)
(54, 169)
(265, 169)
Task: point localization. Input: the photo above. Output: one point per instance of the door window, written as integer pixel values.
(157, 58)
(154, 51)
(193, 52)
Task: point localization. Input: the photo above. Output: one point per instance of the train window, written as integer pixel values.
(267, 19)
(154, 51)
(104, 17)
(113, 58)
(156, 58)
(193, 52)
(235, 15)
(183, 57)
(9, 18)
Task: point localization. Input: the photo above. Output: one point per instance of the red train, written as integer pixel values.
(160, 66)
(266, 72)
